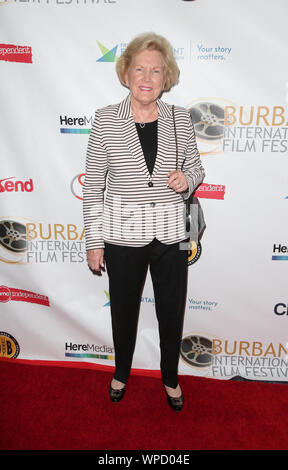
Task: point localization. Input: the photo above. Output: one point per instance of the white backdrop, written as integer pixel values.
(57, 65)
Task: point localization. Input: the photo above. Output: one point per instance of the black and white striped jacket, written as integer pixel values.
(137, 206)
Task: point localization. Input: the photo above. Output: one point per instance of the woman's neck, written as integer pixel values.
(144, 113)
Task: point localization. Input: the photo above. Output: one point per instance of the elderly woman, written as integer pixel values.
(132, 147)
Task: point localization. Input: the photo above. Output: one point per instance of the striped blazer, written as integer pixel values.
(137, 206)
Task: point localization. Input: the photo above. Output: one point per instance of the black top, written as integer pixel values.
(148, 140)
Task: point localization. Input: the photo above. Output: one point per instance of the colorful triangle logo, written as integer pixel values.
(108, 55)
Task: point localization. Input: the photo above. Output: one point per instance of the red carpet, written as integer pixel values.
(62, 408)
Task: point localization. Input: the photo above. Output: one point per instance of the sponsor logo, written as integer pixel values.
(77, 186)
(74, 125)
(216, 53)
(91, 351)
(23, 241)
(148, 300)
(108, 55)
(210, 191)
(145, 300)
(247, 348)
(55, 243)
(255, 129)
(208, 116)
(10, 293)
(12, 53)
(6, 185)
(277, 249)
(281, 308)
(108, 297)
(9, 347)
(13, 241)
(227, 127)
(194, 253)
(215, 357)
(250, 359)
(196, 351)
(178, 53)
(206, 305)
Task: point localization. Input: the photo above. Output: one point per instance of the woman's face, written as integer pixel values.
(145, 76)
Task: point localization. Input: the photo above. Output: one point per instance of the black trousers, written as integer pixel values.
(127, 269)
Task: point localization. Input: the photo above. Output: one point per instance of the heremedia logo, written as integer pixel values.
(92, 351)
(75, 125)
(278, 249)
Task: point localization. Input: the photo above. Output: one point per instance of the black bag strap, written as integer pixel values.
(187, 201)
(176, 141)
(200, 221)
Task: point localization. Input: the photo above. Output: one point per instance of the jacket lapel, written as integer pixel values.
(130, 134)
(164, 134)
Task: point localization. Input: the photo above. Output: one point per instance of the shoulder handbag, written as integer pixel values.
(193, 214)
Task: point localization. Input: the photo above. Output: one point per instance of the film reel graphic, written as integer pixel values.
(208, 119)
(13, 236)
(196, 351)
(13, 241)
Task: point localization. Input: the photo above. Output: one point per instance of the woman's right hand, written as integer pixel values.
(95, 259)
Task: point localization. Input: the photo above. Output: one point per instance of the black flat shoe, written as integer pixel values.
(116, 395)
(176, 403)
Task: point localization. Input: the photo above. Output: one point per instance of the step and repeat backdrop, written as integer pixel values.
(57, 66)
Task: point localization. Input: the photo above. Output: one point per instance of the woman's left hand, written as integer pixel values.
(177, 181)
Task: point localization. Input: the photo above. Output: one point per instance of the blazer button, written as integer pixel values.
(150, 184)
(153, 204)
